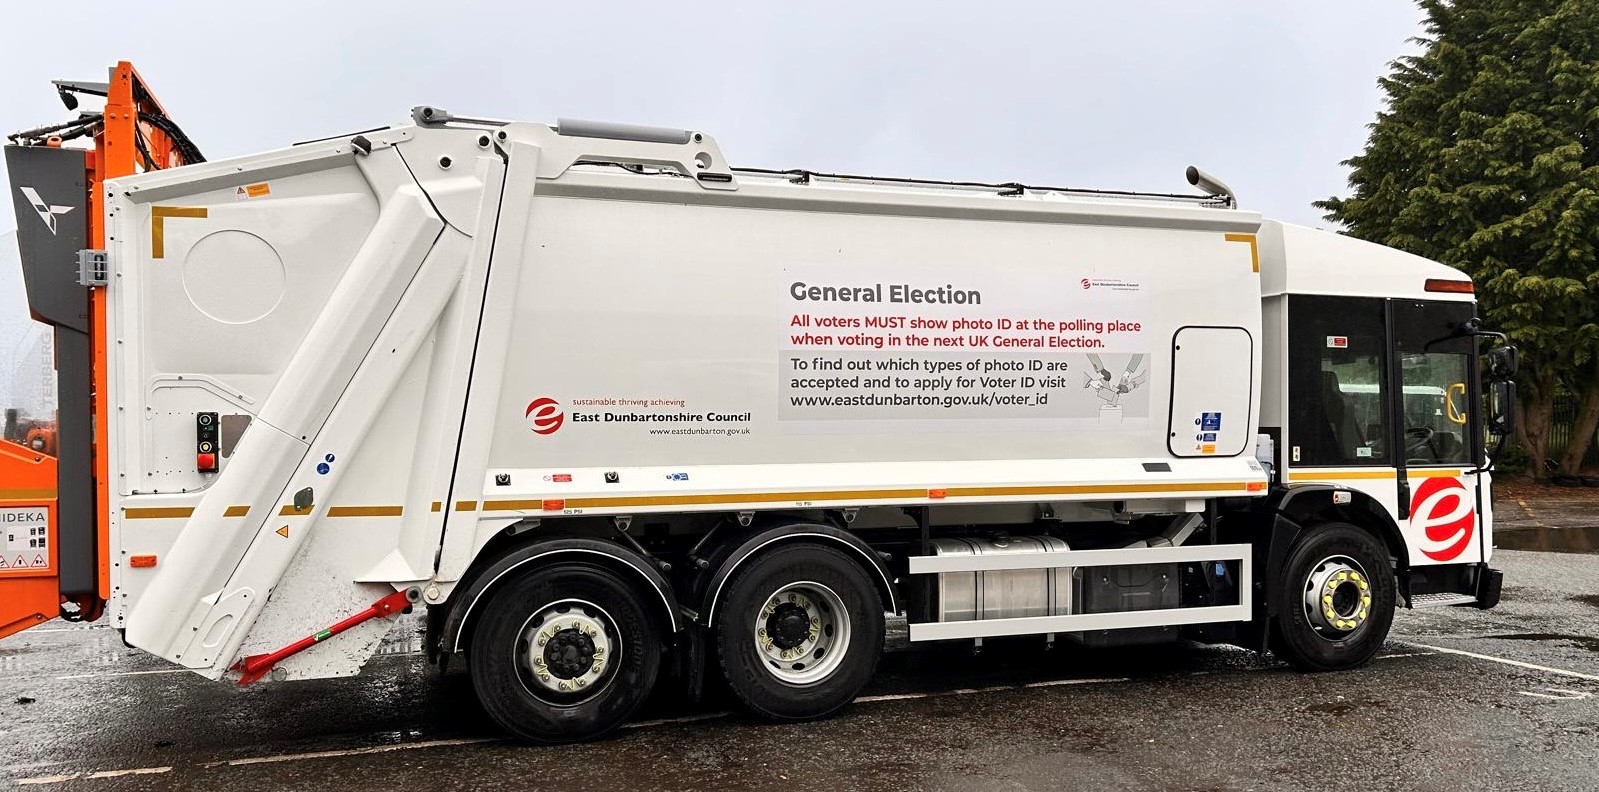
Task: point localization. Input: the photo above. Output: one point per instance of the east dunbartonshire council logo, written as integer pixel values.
(545, 415)
(1442, 511)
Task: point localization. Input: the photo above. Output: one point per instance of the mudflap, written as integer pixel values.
(692, 664)
(1489, 584)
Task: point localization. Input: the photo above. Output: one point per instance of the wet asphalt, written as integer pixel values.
(80, 711)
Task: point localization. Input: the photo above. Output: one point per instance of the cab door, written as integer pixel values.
(1434, 410)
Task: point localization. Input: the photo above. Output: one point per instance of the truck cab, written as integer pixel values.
(1371, 390)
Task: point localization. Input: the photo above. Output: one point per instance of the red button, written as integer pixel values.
(207, 463)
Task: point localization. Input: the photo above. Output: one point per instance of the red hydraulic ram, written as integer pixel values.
(254, 667)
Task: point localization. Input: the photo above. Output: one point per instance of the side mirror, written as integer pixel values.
(1502, 363)
(1502, 406)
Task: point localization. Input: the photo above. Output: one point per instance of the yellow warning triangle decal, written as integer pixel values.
(283, 532)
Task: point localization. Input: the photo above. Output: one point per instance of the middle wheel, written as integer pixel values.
(799, 632)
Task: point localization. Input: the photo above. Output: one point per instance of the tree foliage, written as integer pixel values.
(1486, 158)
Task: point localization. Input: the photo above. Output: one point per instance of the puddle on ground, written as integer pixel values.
(1584, 641)
(1556, 540)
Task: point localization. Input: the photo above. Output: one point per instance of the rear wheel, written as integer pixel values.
(799, 631)
(564, 653)
(1335, 601)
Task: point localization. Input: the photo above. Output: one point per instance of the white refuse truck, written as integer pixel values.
(619, 415)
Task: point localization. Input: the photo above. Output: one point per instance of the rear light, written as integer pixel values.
(141, 561)
(1451, 286)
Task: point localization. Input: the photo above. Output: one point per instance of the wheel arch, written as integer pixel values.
(462, 604)
(1297, 509)
(1308, 504)
(789, 533)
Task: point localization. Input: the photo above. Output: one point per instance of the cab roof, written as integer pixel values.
(1299, 260)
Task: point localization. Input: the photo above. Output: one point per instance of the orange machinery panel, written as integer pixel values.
(27, 538)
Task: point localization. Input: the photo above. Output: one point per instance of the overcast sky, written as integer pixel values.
(1269, 96)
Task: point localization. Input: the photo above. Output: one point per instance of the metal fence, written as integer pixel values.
(1562, 428)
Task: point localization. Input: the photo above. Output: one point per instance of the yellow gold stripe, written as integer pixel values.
(437, 506)
(365, 511)
(1254, 247)
(158, 226)
(466, 505)
(157, 513)
(1340, 475)
(27, 494)
(290, 511)
(922, 493)
(237, 511)
(1425, 474)
(1094, 489)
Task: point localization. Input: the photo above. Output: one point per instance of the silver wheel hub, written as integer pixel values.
(569, 647)
(801, 632)
(1337, 597)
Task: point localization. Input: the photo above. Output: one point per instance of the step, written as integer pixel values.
(1441, 600)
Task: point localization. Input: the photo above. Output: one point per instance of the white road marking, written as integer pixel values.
(1559, 694)
(135, 771)
(125, 673)
(375, 749)
(57, 779)
(1507, 661)
(1405, 654)
(1572, 693)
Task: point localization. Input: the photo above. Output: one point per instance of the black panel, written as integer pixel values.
(49, 193)
(48, 189)
(75, 517)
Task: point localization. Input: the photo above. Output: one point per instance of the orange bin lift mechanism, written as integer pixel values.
(28, 591)
(28, 479)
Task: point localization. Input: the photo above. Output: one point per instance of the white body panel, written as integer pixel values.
(441, 337)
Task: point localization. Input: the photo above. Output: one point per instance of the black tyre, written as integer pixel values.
(1335, 601)
(564, 653)
(799, 631)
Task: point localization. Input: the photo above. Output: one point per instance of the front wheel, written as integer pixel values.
(563, 653)
(800, 632)
(1335, 601)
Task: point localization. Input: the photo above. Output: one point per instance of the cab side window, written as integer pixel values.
(1337, 381)
(1436, 372)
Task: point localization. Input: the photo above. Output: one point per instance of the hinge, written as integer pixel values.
(91, 268)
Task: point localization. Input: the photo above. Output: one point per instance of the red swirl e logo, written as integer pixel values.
(1085, 283)
(1442, 511)
(545, 414)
